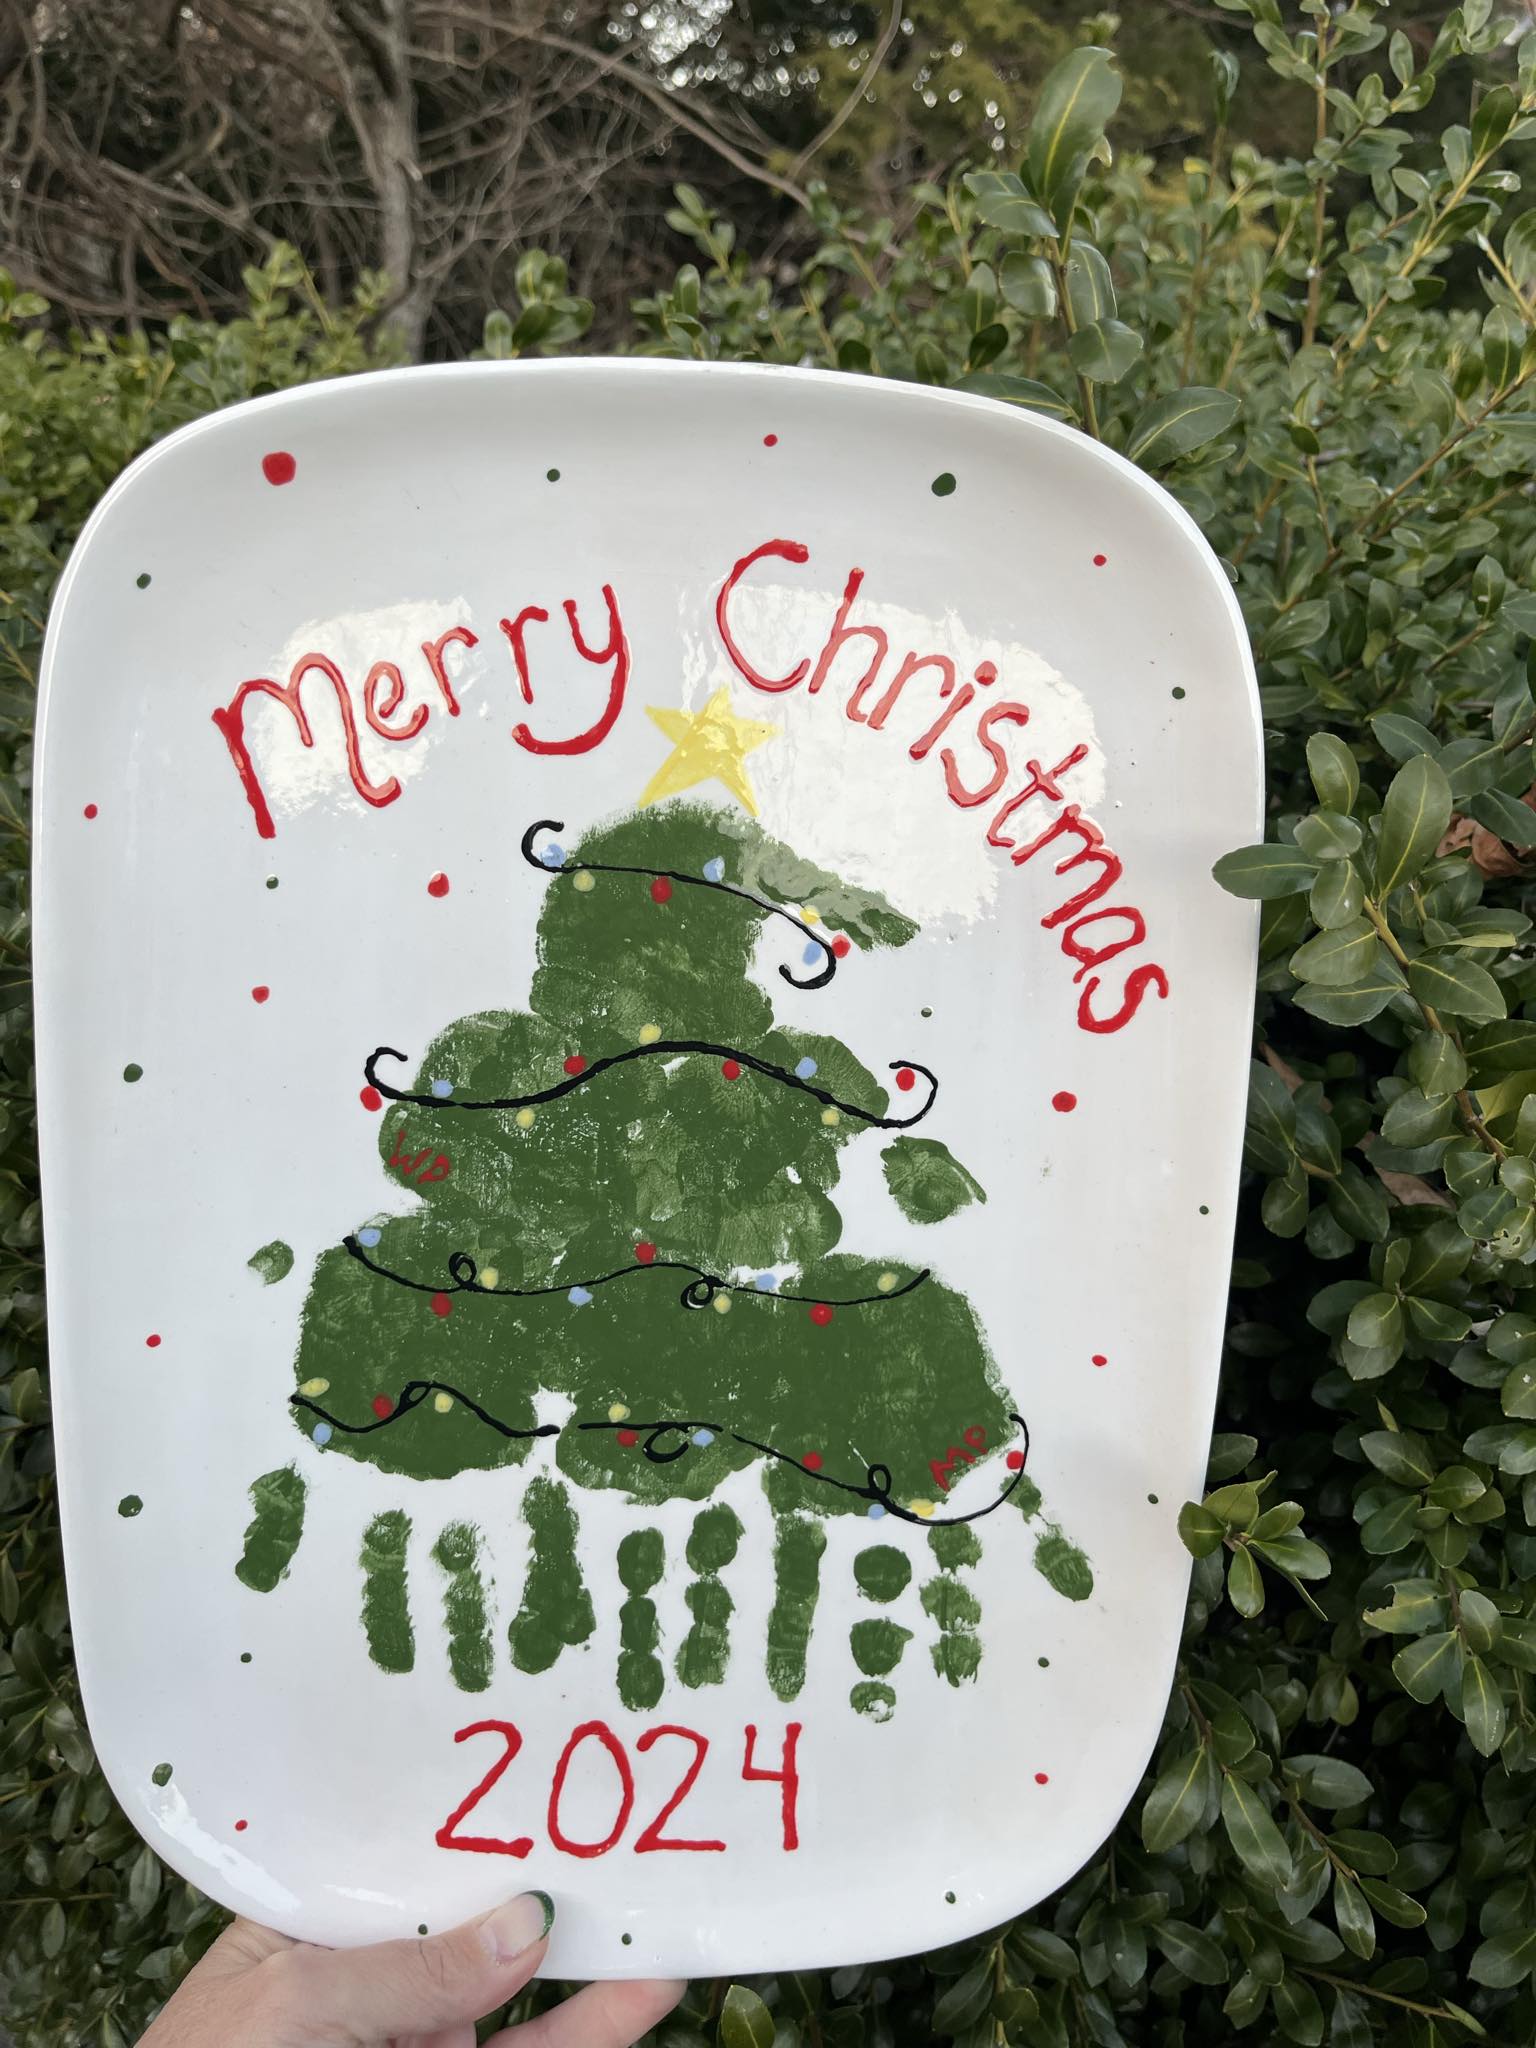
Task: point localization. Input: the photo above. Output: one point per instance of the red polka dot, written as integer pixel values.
(645, 1252)
(812, 1461)
(441, 1305)
(90, 810)
(842, 947)
(260, 993)
(731, 1069)
(383, 1406)
(241, 1826)
(370, 1098)
(905, 1078)
(1099, 561)
(1063, 1100)
(575, 1064)
(821, 1314)
(661, 890)
(1042, 1778)
(438, 886)
(152, 1342)
(279, 467)
(1015, 1461)
(1099, 1358)
(770, 440)
(628, 1438)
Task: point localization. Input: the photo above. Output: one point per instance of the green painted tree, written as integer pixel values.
(624, 1197)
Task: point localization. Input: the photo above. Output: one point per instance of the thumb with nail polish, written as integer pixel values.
(257, 1989)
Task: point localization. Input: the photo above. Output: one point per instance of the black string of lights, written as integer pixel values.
(664, 1442)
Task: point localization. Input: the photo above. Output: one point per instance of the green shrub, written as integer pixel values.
(1329, 362)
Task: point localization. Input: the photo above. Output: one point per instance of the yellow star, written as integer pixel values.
(712, 743)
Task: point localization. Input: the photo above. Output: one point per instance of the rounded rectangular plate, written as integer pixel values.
(641, 1076)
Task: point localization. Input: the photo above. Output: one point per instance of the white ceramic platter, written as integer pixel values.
(641, 1076)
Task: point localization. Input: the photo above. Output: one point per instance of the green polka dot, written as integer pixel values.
(1204, 1211)
(626, 1939)
(949, 1898)
(129, 1506)
(133, 1071)
(925, 1013)
(1152, 1497)
(942, 485)
(1044, 1663)
(553, 475)
(143, 580)
(1178, 690)
(271, 881)
(245, 1656)
(422, 1927)
(161, 1774)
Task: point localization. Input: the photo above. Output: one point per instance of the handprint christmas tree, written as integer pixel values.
(620, 1258)
(625, 1198)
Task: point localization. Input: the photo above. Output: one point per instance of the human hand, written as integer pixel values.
(257, 1989)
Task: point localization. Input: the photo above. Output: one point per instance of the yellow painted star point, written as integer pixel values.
(710, 744)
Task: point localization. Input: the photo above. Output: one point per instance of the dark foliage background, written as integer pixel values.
(1299, 290)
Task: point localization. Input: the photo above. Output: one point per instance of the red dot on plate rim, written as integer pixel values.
(241, 1826)
(1063, 1100)
(260, 992)
(770, 440)
(279, 467)
(1099, 1358)
(152, 1341)
(1042, 1777)
(90, 810)
(1099, 561)
(438, 886)
(370, 1098)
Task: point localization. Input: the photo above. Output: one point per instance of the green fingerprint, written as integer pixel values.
(1062, 1565)
(951, 1604)
(705, 1650)
(873, 1698)
(386, 1604)
(1025, 1496)
(470, 1657)
(797, 1547)
(883, 1572)
(877, 1646)
(272, 1535)
(557, 1608)
(955, 1544)
(642, 1556)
